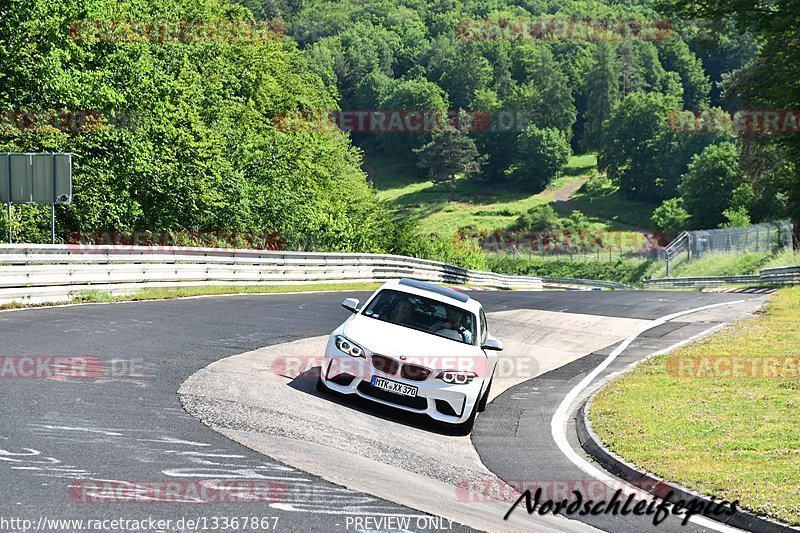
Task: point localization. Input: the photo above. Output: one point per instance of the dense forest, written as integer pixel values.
(188, 135)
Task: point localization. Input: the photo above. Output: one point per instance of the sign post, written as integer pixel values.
(8, 189)
(36, 178)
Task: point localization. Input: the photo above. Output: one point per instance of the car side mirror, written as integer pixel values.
(492, 344)
(351, 304)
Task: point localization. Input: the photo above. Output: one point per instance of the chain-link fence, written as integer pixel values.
(769, 237)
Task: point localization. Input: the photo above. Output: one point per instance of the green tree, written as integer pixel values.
(671, 217)
(540, 156)
(449, 154)
(735, 217)
(629, 144)
(677, 57)
(770, 80)
(602, 94)
(544, 90)
(631, 79)
(641, 153)
(189, 136)
(494, 141)
(416, 95)
(707, 188)
(460, 69)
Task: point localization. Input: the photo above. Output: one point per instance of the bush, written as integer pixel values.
(544, 217)
(458, 249)
(629, 272)
(538, 218)
(735, 217)
(576, 221)
(671, 217)
(597, 186)
(540, 156)
(504, 212)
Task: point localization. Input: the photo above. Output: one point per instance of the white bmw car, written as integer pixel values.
(415, 346)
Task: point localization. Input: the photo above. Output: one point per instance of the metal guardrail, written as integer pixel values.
(45, 273)
(768, 276)
(591, 283)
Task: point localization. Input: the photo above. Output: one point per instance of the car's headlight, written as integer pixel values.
(457, 377)
(349, 347)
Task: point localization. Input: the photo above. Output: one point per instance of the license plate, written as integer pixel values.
(393, 386)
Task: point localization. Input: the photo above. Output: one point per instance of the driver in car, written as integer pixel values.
(401, 314)
(452, 327)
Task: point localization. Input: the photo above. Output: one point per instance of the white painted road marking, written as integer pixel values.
(558, 425)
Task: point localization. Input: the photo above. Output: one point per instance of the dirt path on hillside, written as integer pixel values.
(563, 199)
(563, 196)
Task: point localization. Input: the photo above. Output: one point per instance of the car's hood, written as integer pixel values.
(384, 338)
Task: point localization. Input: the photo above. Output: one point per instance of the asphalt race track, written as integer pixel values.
(127, 426)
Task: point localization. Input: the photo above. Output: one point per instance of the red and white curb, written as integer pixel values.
(743, 291)
(470, 288)
(568, 287)
(547, 286)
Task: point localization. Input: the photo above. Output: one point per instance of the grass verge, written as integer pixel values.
(730, 437)
(730, 264)
(154, 293)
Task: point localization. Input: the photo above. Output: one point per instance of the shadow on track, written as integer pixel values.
(307, 383)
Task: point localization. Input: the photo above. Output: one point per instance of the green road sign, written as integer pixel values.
(36, 178)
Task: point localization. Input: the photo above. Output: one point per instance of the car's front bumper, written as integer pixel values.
(440, 401)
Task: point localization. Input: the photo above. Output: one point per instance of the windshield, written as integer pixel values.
(423, 314)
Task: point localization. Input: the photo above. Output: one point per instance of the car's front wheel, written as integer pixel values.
(485, 398)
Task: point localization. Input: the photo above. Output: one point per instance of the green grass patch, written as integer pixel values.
(730, 438)
(157, 293)
(718, 265)
(93, 296)
(599, 197)
(446, 207)
(581, 165)
(782, 259)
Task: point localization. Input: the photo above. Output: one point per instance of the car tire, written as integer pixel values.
(485, 398)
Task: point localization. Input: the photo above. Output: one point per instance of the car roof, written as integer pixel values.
(437, 292)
